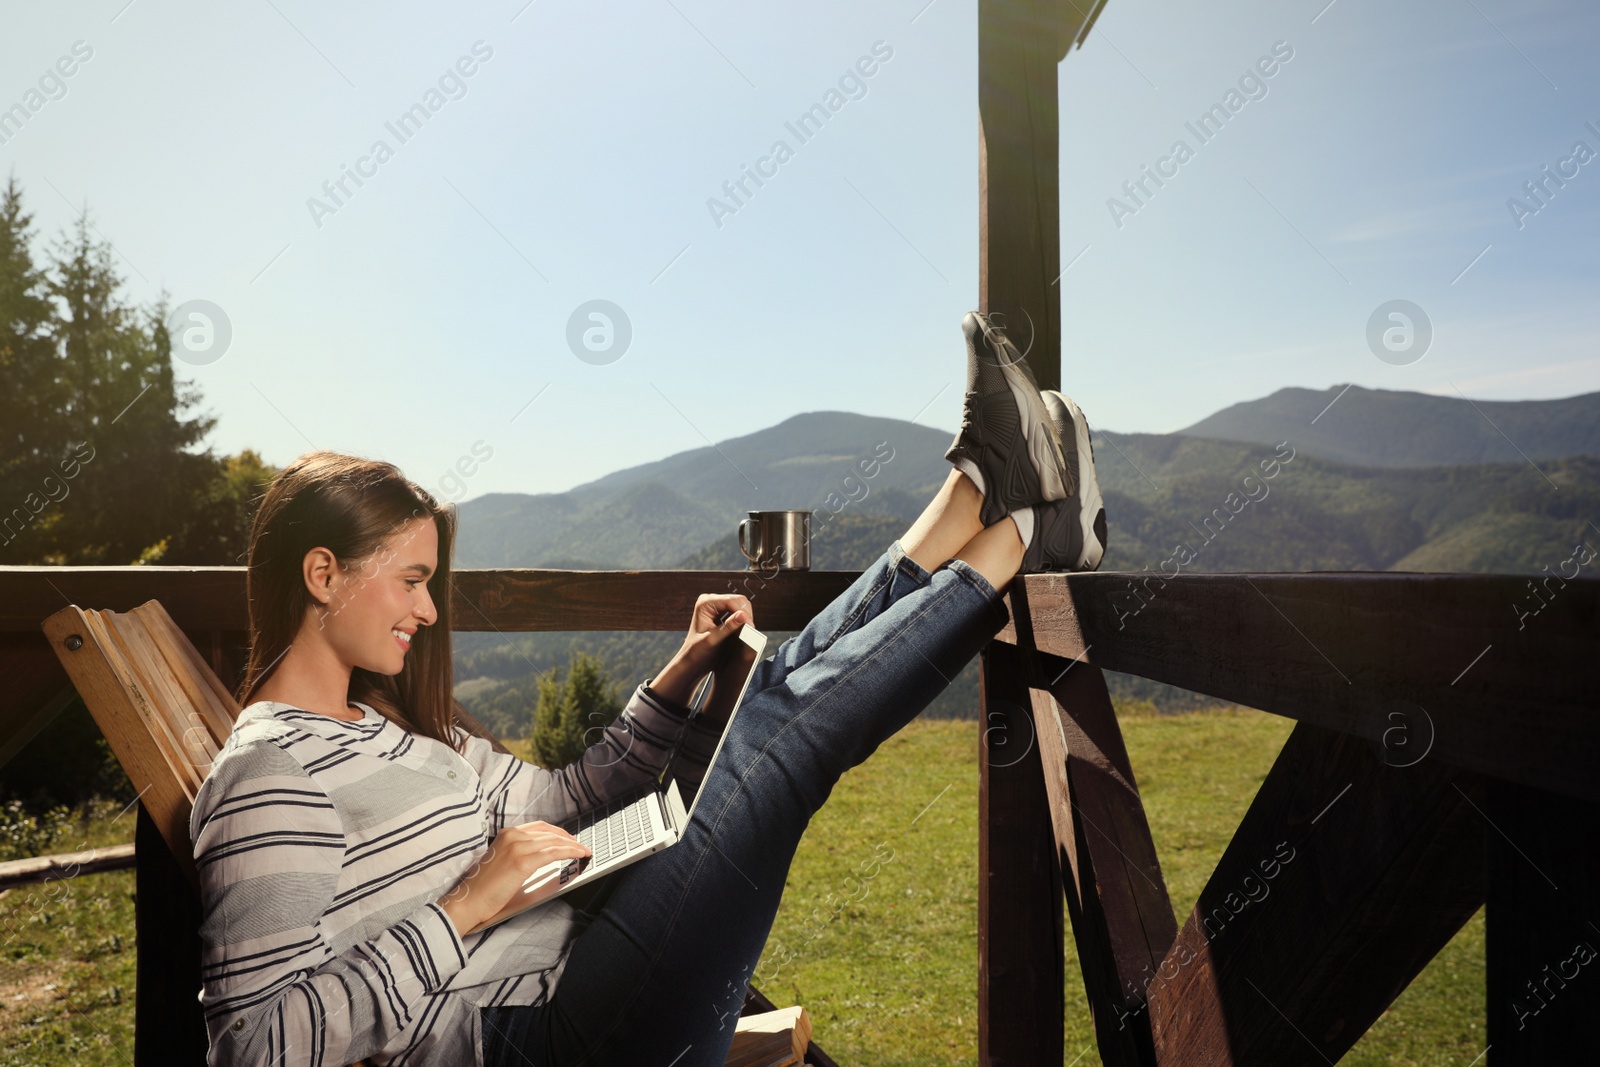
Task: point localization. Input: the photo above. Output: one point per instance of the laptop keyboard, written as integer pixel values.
(612, 834)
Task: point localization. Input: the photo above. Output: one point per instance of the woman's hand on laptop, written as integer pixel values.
(492, 887)
(700, 650)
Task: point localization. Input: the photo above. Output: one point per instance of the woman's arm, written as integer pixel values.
(630, 752)
(268, 847)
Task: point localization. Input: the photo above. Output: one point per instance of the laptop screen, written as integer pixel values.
(721, 692)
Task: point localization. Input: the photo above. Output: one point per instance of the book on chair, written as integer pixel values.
(771, 1039)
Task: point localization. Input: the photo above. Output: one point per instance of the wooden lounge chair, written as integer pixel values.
(159, 706)
(166, 715)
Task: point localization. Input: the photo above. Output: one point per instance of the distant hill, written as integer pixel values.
(1163, 490)
(657, 513)
(1384, 428)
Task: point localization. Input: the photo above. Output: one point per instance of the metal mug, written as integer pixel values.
(780, 538)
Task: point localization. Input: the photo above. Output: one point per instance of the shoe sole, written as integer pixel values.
(1091, 505)
(1039, 430)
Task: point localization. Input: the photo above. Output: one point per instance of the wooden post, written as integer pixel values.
(1542, 926)
(1020, 44)
(168, 1027)
(1019, 208)
(1020, 920)
(1021, 955)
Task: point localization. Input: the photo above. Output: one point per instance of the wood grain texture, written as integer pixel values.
(1346, 876)
(206, 599)
(170, 708)
(127, 714)
(1021, 956)
(530, 600)
(1116, 896)
(756, 1002)
(1356, 653)
(199, 598)
(200, 684)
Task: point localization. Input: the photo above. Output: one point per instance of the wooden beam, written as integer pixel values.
(530, 600)
(36, 869)
(1116, 896)
(1347, 875)
(1542, 926)
(207, 599)
(1440, 655)
(1021, 947)
(1094, 7)
(198, 598)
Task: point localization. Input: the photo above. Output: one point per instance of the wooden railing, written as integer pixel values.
(1444, 756)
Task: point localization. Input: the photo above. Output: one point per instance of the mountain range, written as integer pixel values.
(1360, 479)
(1383, 428)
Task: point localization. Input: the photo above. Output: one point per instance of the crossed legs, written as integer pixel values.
(948, 528)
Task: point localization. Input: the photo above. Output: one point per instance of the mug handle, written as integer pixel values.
(745, 526)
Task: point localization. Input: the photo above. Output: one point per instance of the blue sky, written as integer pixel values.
(424, 313)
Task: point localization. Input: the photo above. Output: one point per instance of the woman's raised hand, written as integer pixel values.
(492, 888)
(699, 652)
(715, 617)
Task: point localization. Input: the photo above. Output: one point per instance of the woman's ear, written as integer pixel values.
(320, 569)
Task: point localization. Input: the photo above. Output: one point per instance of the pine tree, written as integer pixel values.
(572, 713)
(216, 530)
(98, 461)
(33, 431)
(132, 495)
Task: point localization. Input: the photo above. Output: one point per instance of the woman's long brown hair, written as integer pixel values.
(350, 506)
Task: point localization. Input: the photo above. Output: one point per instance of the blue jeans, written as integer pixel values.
(659, 975)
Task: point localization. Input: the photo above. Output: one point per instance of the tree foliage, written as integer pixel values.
(572, 712)
(101, 457)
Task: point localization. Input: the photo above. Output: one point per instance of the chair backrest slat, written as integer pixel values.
(181, 711)
(126, 710)
(164, 716)
(103, 631)
(205, 690)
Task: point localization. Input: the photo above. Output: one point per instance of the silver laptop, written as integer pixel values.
(640, 824)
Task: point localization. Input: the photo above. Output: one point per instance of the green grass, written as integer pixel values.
(67, 960)
(891, 978)
(877, 935)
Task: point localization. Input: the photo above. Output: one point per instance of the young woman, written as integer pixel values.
(355, 846)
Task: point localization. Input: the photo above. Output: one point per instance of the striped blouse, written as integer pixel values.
(323, 847)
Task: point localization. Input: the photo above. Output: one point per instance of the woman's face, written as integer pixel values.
(378, 604)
